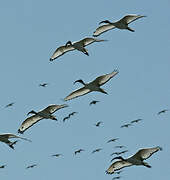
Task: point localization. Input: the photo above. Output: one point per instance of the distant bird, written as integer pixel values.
(117, 177)
(71, 114)
(163, 111)
(98, 123)
(43, 85)
(9, 105)
(56, 155)
(43, 114)
(96, 150)
(5, 139)
(93, 102)
(121, 24)
(120, 146)
(126, 125)
(31, 166)
(78, 151)
(78, 45)
(66, 118)
(92, 86)
(136, 159)
(112, 140)
(118, 153)
(136, 121)
(3, 166)
(118, 172)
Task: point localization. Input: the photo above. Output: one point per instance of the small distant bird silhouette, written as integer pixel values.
(3, 166)
(112, 140)
(118, 153)
(9, 105)
(136, 121)
(65, 118)
(93, 102)
(71, 114)
(98, 123)
(163, 111)
(126, 125)
(120, 146)
(56, 155)
(118, 172)
(96, 150)
(31, 166)
(117, 177)
(78, 151)
(43, 84)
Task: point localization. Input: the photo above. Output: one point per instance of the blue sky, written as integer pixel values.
(30, 32)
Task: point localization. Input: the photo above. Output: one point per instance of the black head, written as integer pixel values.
(31, 112)
(68, 43)
(80, 81)
(119, 157)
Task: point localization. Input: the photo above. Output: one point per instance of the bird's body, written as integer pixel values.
(78, 45)
(43, 114)
(72, 114)
(96, 150)
(163, 111)
(121, 24)
(98, 123)
(93, 102)
(31, 166)
(118, 153)
(112, 140)
(126, 125)
(136, 121)
(5, 138)
(117, 177)
(3, 166)
(43, 84)
(56, 155)
(92, 86)
(9, 105)
(136, 159)
(120, 146)
(78, 151)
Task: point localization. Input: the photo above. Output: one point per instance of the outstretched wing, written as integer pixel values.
(53, 108)
(143, 154)
(87, 41)
(28, 123)
(102, 29)
(105, 78)
(9, 135)
(60, 51)
(117, 166)
(130, 18)
(77, 93)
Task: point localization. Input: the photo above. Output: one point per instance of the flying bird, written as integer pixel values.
(5, 139)
(93, 102)
(118, 172)
(120, 146)
(117, 177)
(112, 140)
(72, 114)
(96, 150)
(78, 45)
(43, 84)
(163, 111)
(118, 153)
(121, 24)
(136, 159)
(98, 123)
(9, 105)
(31, 166)
(43, 114)
(126, 125)
(78, 151)
(3, 166)
(92, 86)
(136, 121)
(66, 118)
(56, 155)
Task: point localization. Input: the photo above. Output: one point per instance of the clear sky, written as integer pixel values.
(30, 32)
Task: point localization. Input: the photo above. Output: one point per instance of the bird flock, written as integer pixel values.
(95, 85)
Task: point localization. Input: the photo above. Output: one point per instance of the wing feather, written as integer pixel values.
(102, 29)
(77, 93)
(53, 108)
(101, 80)
(9, 135)
(130, 18)
(60, 51)
(117, 166)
